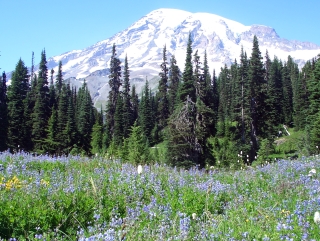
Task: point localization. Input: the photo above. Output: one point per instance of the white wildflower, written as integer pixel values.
(194, 216)
(312, 172)
(139, 169)
(316, 217)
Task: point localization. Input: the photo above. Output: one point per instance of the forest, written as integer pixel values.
(196, 117)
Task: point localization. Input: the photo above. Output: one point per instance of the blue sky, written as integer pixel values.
(63, 25)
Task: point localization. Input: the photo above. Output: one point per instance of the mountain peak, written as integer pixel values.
(143, 43)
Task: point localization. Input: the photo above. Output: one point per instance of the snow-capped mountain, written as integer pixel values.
(144, 40)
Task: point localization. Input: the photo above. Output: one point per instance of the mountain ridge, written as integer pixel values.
(143, 43)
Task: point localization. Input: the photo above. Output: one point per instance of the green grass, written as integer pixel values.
(73, 198)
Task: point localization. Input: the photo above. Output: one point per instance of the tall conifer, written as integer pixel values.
(174, 81)
(3, 112)
(41, 111)
(163, 105)
(114, 84)
(17, 92)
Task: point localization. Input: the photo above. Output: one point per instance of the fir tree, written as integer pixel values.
(62, 117)
(128, 118)
(85, 118)
(138, 149)
(52, 92)
(59, 79)
(51, 143)
(182, 143)
(301, 97)
(163, 105)
(287, 96)
(114, 84)
(16, 94)
(118, 122)
(187, 87)
(3, 112)
(97, 136)
(257, 93)
(41, 112)
(134, 104)
(174, 81)
(145, 114)
(70, 131)
(274, 97)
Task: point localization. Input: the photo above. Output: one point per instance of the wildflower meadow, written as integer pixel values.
(77, 198)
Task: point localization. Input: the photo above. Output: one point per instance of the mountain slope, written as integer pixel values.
(143, 42)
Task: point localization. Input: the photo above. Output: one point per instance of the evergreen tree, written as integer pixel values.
(182, 143)
(145, 112)
(118, 122)
(52, 92)
(41, 112)
(174, 81)
(257, 93)
(85, 118)
(3, 112)
(97, 135)
(70, 131)
(275, 97)
(287, 103)
(62, 117)
(16, 94)
(114, 83)
(301, 97)
(314, 93)
(214, 100)
(28, 103)
(128, 118)
(134, 104)
(163, 105)
(243, 107)
(224, 90)
(187, 88)
(51, 143)
(138, 149)
(59, 79)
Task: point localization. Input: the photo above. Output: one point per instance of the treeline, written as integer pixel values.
(45, 118)
(202, 119)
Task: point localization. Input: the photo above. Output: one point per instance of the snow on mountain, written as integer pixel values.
(143, 43)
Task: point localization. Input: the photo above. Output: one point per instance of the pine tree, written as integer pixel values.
(62, 117)
(85, 118)
(97, 135)
(187, 88)
(41, 112)
(3, 112)
(52, 93)
(163, 100)
(51, 143)
(214, 101)
(134, 104)
(287, 96)
(128, 118)
(301, 97)
(70, 131)
(114, 83)
(118, 122)
(59, 79)
(174, 82)
(145, 112)
(16, 94)
(257, 93)
(274, 97)
(182, 144)
(138, 150)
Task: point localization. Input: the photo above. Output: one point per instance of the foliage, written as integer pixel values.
(73, 198)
